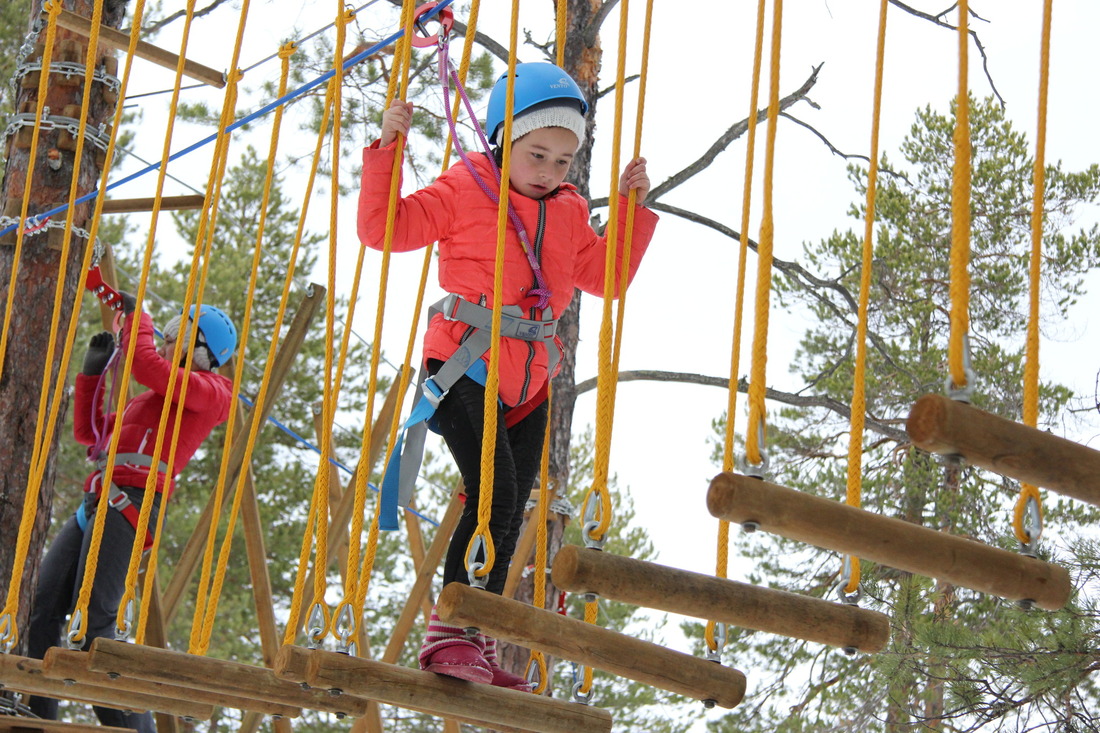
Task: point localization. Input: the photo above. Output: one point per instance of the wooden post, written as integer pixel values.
(18, 724)
(25, 675)
(116, 39)
(941, 425)
(65, 665)
(167, 203)
(581, 570)
(192, 671)
(592, 645)
(495, 707)
(887, 541)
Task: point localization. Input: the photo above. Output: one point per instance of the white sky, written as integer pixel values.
(680, 307)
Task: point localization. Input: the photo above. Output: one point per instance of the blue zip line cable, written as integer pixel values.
(289, 96)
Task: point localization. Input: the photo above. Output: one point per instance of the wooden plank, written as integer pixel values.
(116, 39)
(887, 541)
(648, 584)
(66, 664)
(167, 203)
(589, 644)
(25, 675)
(941, 425)
(203, 673)
(495, 707)
(15, 724)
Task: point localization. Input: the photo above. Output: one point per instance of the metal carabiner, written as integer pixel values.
(74, 640)
(592, 522)
(318, 626)
(7, 633)
(473, 565)
(716, 633)
(343, 628)
(122, 631)
(755, 470)
(961, 394)
(1033, 526)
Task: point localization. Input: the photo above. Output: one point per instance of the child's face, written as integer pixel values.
(541, 160)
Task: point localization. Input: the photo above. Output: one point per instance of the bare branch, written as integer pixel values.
(158, 25)
(787, 398)
(835, 151)
(936, 20)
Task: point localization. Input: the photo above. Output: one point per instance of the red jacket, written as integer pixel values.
(209, 397)
(454, 211)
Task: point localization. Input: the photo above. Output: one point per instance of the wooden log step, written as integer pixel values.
(893, 542)
(468, 702)
(167, 203)
(116, 39)
(22, 674)
(16, 724)
(67, 664)
(191, 671)
(1029, 455)
(592, 645)
(648, 584)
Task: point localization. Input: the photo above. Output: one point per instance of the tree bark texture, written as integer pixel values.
(36, 280)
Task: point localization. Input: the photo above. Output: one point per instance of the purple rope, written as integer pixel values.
(102, 437)
(542, 290)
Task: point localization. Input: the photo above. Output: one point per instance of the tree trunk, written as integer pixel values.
(582, 61)
(32, 309)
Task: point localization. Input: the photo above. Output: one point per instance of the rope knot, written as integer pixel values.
(287, 50)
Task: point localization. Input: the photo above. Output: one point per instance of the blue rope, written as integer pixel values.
(289, 96)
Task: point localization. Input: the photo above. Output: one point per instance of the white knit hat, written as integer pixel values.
(551, 115)
(201, 359)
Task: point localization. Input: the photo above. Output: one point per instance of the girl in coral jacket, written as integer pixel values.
(550, 249)
(209, 397)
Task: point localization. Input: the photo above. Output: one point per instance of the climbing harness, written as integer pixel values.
(404, 464)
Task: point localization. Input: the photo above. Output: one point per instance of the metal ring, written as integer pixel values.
(318, 625)
(74, 639)
(584, 698)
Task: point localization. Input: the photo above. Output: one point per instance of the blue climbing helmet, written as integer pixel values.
(219, 332)
(536, 82)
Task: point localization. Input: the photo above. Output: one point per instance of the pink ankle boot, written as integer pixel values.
(448, 650)
(501, 676)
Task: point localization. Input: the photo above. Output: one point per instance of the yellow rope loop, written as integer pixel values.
(319, 494)
(591, 615)
(1029, 492)
(960, 217)
(30, 502)
(286, 51)
(754, 447)
(536, 665)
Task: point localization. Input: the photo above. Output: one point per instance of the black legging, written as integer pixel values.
(55, 596)
(460, 419)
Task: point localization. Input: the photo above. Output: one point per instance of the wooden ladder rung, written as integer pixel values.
(484, 705)
(650, 585)
(191, 671)
(16, 724)
(67, 664)
(597, 647)
(893, 542)
(167, 203)
(23, 674)
(116, 39)
(941, 425)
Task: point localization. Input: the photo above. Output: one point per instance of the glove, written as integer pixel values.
(129, 302)
(100, 348)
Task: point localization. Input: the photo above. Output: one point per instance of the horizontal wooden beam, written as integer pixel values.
(648, 584)
(203, 673)
(597, 647)
(22, 674)
(887, 541)
(167, 203)
(116, 39)
(941, 425)
(66, 664)
(19, 724)
(484, 705)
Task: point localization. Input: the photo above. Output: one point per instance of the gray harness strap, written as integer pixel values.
(433, 389)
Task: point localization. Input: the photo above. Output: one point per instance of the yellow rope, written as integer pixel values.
(53, 9)
(395, 424)
(8, 631)
(1031, 365)
(492, 380)
(859, 402)
(608, 372)
(754, 440)
(561, 17)
(960, 216)
(538, 579)
(721, 562)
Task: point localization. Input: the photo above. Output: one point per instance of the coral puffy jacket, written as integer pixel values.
(454, 211)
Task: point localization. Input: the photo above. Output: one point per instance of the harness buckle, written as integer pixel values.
(432, 393)
(117, 498)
